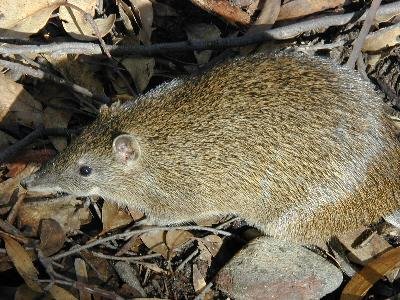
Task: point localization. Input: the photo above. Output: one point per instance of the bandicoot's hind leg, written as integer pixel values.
(272, 269)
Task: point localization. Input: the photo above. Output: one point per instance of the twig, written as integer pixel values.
(363, 33)
(131, 233)
(9, 152)
(186, 260)
(126, 258)
(42, 75)
(280, 33)
(80, 285)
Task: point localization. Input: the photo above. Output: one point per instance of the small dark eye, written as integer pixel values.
(85, 170)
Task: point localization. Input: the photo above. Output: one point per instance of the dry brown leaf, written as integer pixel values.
(135, 214)
(100, 266)
(144, 8)
(375, 270)
(23, 292)
(198, 280)
(154, 240)
(56, 118)
(52, 237)
(65, 210)
(22, 263)
(113, 216)
(141, 70)
(17, 106)
(76, 25)
(61, 294)
(202, 31)
(362, 255)
(299, 8)
(268, 15)
(176, 238)
(213, 243)
(225, 9)
(127, 16)
(383, 38)
(8, 187)
(21, 18)
(82, 276)
(165, 243)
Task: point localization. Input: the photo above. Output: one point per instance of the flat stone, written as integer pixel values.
(272, 269)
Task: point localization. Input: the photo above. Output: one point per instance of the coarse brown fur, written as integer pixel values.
(297, 146)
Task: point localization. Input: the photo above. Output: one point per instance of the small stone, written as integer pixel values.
(272, 269)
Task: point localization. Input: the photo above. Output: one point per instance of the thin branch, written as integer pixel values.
(9, 152)
(135, 232)
(363, 33)
(126, 258)
(81, 285)
(187, 259)
(280, 33)
(42, 75)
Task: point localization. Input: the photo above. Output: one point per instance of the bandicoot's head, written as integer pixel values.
(96, 163)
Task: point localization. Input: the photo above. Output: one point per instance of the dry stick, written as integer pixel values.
(9, 152)
(126, 258)
(280, 33)
(187, 259)
(42, 75)
(131, 233)
(96, 30)
(363, 33)
(80, 285)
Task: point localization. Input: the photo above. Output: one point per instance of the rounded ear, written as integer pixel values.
(126, 148)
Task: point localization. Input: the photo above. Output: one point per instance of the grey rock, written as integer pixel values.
(272, 269)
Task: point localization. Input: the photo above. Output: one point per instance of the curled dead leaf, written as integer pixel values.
(376, 269)
(113, 216)
(154, 240)
(21, 18)
(17, 106)
(76, 24)
(198, 279)
(225, 9)
(52, 236)
(61, 294)
(299, 8)
(65, 210)
(22, 262)
(383, 38)
(144, 9)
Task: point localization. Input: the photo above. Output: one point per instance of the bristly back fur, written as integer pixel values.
(295, 145)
